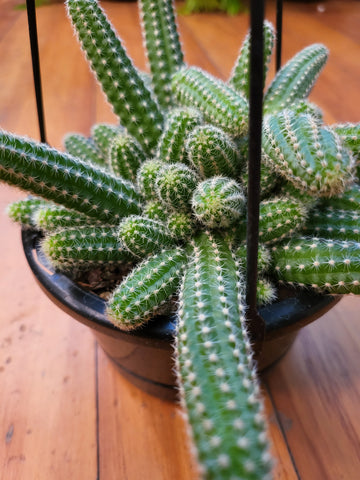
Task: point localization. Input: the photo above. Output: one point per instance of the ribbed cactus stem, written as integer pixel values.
(333, 224)
(219, 103)
(162, 45)
(82, 147)
(212, 152)
(84, 247)
(240, 75)
(102, 134)
(218, 202)
(125, 156)
(348, 200)
(296, 78)
(264, 257)
(154, 209)
(146, 178)
(350, 137)
(146, 289)
(303, 106)
(181, 225)
(54, 217)
(179, 124)
(311, 158)
(142, 236)
(217, 379)
(66, 180)
(121, 82)
(324, 265)
(23, 211)
(175, 184)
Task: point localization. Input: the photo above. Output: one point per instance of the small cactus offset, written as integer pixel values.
(80, 146)
(216, 371)
(212, 152)
(219, 103)
(218, 202)
(240, 75)
(323, 264)
(168, 208)
(296, 78)
(125, 156)
(23, 211)
(142, 236)
(179, 124)
(162, 45)
(146, 289)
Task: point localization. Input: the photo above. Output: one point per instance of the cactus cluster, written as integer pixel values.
(165, 192)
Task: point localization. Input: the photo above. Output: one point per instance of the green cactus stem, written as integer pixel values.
(154, 209)
(279, 218)
(66, 180)
(218, 202)
(146, 289)
(22, 211)
(296, 78)
(309, 108)
(333, 224)
(125, 156)
(349, 200)
(175, 184)
(324, 265)
(142, 236)
(102, 134)
(82, 147)
(212, 152)
(121, 82)
(217, 380)
(219, 103)
(162, 45)
(350, 136)
(264, 258)
(181, 225)
(84, 247)
(311, 158)
(54, 217)
(179, 123)
(146, 178)
(240, 75)
(265, 292)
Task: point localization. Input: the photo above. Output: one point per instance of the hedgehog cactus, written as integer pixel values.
(169, 205)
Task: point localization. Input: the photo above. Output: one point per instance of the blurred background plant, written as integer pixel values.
(232, 7)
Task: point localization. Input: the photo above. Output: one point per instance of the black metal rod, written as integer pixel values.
(31, 13)
(279, 22)
(256, 323)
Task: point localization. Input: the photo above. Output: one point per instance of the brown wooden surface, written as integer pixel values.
(65, 411)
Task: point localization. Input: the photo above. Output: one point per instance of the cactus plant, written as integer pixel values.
(172, 211)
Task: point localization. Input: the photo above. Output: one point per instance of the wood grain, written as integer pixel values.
(65, 410)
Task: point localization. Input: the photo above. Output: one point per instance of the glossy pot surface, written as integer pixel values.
(145, 356)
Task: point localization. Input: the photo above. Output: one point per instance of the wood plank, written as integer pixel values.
(316, 390)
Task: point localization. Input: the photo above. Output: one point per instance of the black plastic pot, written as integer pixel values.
(145, 356)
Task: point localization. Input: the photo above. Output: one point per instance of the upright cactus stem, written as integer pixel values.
(296, 78)
(80, 146)
(121, 82)
(174, 185)
(217, 379)
(102, 134)
(219, 103)
(240, 75)
(125, 156)
(162, 45)
(65, 179)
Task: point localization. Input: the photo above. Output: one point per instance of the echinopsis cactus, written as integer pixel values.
(164, 193)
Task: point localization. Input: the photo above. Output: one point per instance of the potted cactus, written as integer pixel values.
(162, 197)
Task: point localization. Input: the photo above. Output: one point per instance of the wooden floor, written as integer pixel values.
(65, 411)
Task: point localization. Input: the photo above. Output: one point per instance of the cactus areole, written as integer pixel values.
(162, 195)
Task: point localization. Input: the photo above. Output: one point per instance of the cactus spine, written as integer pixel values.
(219, 103)
(217, 378)
(65, 179)
(162, 45)
(121, 82)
